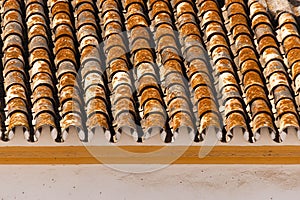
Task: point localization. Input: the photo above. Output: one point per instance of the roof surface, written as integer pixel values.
(144, 68)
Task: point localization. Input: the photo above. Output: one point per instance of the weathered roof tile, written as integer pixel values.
(226, 67)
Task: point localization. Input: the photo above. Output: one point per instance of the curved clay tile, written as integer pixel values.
(224, 70)
(123, 105)
(18, 114)
(95, 97)
(274, 71)
(66, 64)
(289, 37)
(196, 66)
(251, 74)
(171, 72)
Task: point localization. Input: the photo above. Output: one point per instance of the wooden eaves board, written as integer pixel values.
(238, 151)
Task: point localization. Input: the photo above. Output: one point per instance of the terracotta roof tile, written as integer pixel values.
(95, 91)
(177, 101)
(152, 107)
(17, 100)
(146, 68)
(219, 50)
(121, 86)
(64, 51)
(287, 115)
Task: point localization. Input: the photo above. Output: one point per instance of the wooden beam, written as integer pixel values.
(149, 155)
(152, 151)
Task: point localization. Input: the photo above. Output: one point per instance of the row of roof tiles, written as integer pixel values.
(152, 105)
(65, 63)
(17, 110)
(146, 68)
(253, 84)
(215, 36)
(171, 68)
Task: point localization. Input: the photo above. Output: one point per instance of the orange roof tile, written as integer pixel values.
(150, 67)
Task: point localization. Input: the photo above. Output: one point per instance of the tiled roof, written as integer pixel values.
(144, 68)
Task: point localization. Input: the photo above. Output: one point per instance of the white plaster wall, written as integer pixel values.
(172, 182)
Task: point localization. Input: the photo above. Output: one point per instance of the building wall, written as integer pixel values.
(170, 182)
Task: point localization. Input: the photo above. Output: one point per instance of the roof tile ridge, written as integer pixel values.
(278, 80)
(254, 89)
(92, 71)
(65, 61)
(174, 83)
(147, 80)
(123, 92)
(228, 88)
